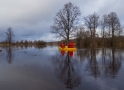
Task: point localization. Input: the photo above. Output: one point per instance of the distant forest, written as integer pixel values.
(9, 41)
(37, 43)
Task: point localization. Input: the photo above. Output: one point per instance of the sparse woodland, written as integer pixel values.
(96, 30)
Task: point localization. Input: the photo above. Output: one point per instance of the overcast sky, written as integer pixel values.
(31, 19)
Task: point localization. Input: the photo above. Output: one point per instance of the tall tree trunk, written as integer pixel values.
(67, 38)
(112, 35)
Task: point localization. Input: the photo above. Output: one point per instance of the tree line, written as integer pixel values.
(9, 40)
(95, 32)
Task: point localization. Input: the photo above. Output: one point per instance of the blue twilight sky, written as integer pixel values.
(31, 19)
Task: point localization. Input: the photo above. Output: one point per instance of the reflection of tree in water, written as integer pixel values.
(9, 55)
(83, 54)
(92, 66)
(67, 70)
(26, 46)
(21, 46)
(111, 64)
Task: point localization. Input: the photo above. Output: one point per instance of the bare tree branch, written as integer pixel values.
(9, 36)
(65, 21)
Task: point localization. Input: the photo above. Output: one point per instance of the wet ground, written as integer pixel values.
(49, 69)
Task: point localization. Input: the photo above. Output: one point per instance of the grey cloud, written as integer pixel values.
(31, 19)
(113, 6)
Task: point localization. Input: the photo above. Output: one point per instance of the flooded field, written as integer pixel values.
(49, 69)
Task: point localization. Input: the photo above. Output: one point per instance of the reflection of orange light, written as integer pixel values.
(62, 52)
(70, 54)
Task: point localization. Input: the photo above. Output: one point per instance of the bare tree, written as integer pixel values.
(65, 21)
(104, 25)
(95, 19)
(114, 23)
(81, 32)
(92, 22)
(88, 23)
(9, 36)
(120, 31)
(81, 36)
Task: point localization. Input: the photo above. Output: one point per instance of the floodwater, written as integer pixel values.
(47, 68)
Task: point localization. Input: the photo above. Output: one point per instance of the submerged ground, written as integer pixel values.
(49, 69)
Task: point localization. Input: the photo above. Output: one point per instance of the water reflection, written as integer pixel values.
(101, 61)
(70, 53)
(67, 69)
(83, 54)
(112, 64)
(9, 55)
(92, 65)
(98, 69)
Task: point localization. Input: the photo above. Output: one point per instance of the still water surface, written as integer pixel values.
(49, 69)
